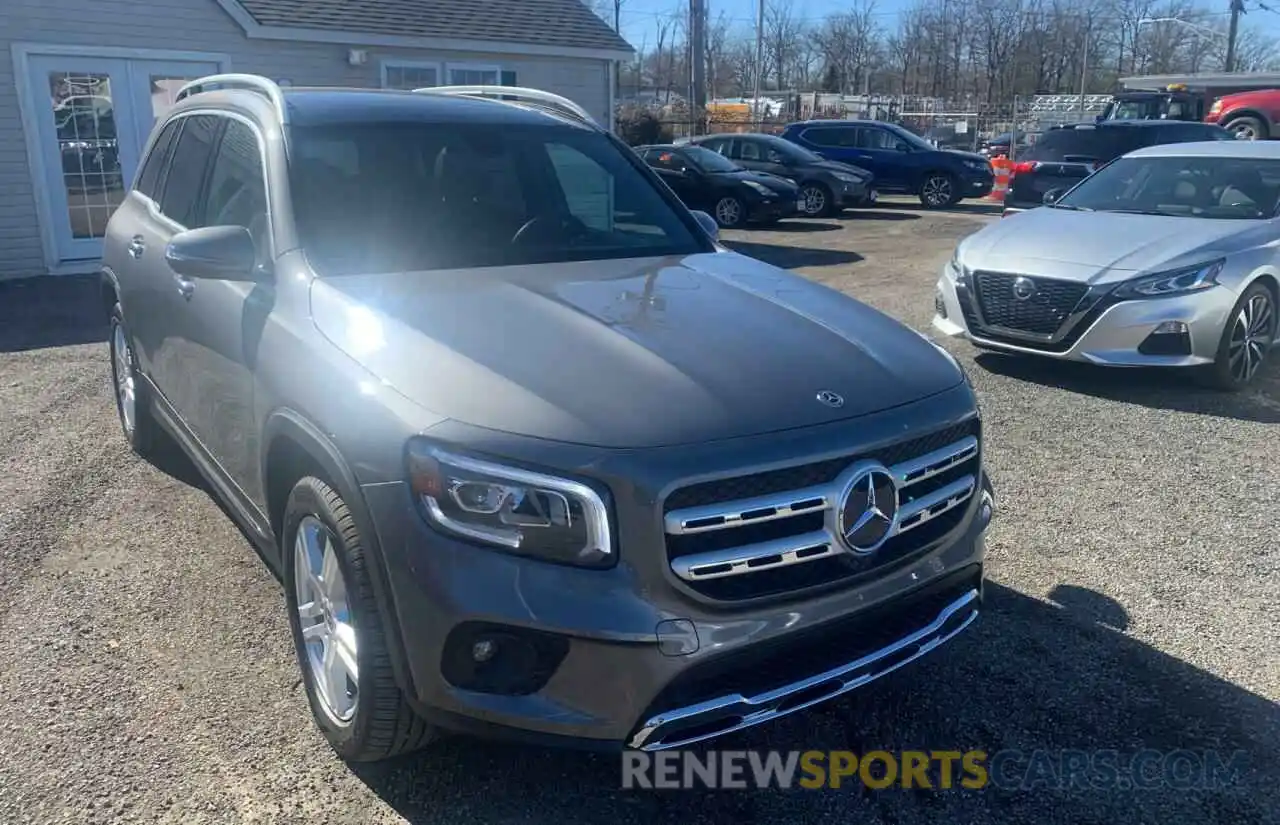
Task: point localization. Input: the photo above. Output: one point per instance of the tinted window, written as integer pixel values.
(709, 161)
(829, 136)
(237, 195)
(427, 196)
(719, 145)
(1084, 145)
(872, 138)
(750, 150)
(1191, 186)
(667, 159)
(149, 178)
(187, 165)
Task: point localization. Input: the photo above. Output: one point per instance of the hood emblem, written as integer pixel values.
(1024, 289)
(869, 511)
(831, 399)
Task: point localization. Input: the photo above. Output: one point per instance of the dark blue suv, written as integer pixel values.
(901, 161)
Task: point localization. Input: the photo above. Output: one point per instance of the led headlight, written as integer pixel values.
(759, 187)
(1175, 282)
(510, 508)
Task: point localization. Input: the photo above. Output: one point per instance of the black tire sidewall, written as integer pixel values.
(1219, 372)
(141, 437)
(308, 499)
(1259, 128)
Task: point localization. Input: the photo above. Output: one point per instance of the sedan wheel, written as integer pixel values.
(937, 191)
(730, 212)
(1250, 332)
(815, 200)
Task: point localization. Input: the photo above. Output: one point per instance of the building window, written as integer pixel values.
(404, 74)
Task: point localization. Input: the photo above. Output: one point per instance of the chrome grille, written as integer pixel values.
(782, 540)
(1042, 313)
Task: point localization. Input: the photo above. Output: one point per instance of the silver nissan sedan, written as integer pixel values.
(1168, 256)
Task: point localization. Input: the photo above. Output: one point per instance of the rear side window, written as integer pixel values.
(149, 178)
(720, 145)
(1084, 145)
(187, 164)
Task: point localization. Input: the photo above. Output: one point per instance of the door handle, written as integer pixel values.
(136, 247)
(186, 287)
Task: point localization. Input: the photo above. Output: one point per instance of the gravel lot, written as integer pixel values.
(146, 672)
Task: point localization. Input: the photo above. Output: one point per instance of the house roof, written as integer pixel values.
(547, 23)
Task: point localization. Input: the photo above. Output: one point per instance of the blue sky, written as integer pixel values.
(639, 17)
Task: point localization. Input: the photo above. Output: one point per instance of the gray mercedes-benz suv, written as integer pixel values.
(531, 452)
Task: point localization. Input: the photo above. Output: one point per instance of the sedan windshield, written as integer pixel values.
(393, 196)
(1190, 186)
(792, 152)
(709, 161)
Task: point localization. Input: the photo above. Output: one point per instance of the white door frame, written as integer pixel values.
(30, 113)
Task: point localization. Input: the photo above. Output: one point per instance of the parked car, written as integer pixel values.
(1251, 115)
(531, 452)
(901, 161)
(998, 145)
(1065, 155)
(1164, 257)
(826, 187)
(710, 182)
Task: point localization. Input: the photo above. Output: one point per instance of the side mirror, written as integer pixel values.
(216, 252)
(1051, 197)
(707, 223)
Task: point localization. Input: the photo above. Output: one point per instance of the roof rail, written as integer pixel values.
(250, 82)
(520, 95)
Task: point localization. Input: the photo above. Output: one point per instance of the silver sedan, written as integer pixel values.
(1169, 256)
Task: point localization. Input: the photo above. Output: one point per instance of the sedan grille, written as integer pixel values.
(1034, 305)
(773, 533)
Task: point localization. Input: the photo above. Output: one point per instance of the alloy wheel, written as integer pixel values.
(324, 616)
(122, 367)
(1244, 131)
(937, 190)
(1252, 332)
(815, 200)
(728, 212)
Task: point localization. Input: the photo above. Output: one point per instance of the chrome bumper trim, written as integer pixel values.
(662, 732)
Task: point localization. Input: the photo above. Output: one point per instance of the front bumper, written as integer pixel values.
(644, 664)
(1114, 336)
(855, 194)
(978, 186)
(773, 209)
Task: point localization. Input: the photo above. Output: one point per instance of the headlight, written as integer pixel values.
(844, 177)
(520, 511)
(955, 269)
(759, 187)
(1176, 282)
(792, 181)
(977, 166)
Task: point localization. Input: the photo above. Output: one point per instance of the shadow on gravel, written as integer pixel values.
(799, 226)
(971, 207)
(50, 311)
(1029, 677)
(1164, 389)
(878, 214)
(793, 257)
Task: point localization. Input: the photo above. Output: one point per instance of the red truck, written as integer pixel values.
(1251, 115)
(1247, 103)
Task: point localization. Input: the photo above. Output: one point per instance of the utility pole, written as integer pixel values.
(698, 57)
(1084, 67)
(1237, 9)
(755, 101)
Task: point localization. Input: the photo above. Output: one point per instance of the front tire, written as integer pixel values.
(133, 405)
(1248, 128)
(730, 212)
(938, 190)
(337, 631)
(1246, 340)
(818, 201)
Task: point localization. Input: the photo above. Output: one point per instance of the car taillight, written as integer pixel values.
(1025, 166)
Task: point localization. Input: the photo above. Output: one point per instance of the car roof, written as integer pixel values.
(1134, 124)
(320, 106)
(1258, 149)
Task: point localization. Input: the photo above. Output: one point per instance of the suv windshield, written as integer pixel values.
(1143, 108)
(1200, 187)
(709, 161)
(376, 197)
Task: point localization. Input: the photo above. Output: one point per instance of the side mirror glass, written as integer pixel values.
(1051, 197)
(223, 253)
(707, 223)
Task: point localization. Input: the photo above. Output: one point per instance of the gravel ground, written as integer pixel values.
(146, 672)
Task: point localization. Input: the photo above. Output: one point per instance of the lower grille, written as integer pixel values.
(778, 532)
(1034, 305)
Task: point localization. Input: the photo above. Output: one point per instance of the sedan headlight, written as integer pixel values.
(1175, 282)
(512, 509)
(759, 187)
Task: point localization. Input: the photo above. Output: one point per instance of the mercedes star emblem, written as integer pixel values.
(869, 514)
(1023, 288)
(831, 399)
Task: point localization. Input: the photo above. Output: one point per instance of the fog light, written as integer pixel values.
(1171, 328)
(1168, 338)
(939, 305)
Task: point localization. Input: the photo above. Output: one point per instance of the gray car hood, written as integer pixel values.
(1102, 246)
(628, 353)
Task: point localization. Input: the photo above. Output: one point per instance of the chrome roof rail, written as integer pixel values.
(535, 98)
(250, 82)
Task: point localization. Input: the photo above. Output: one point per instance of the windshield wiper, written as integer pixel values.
(1145, 212)
(1070, 208)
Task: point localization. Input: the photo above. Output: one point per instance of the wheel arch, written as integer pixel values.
(294, 447)
(108, 291)
(1270, 281)
(1236, 114)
